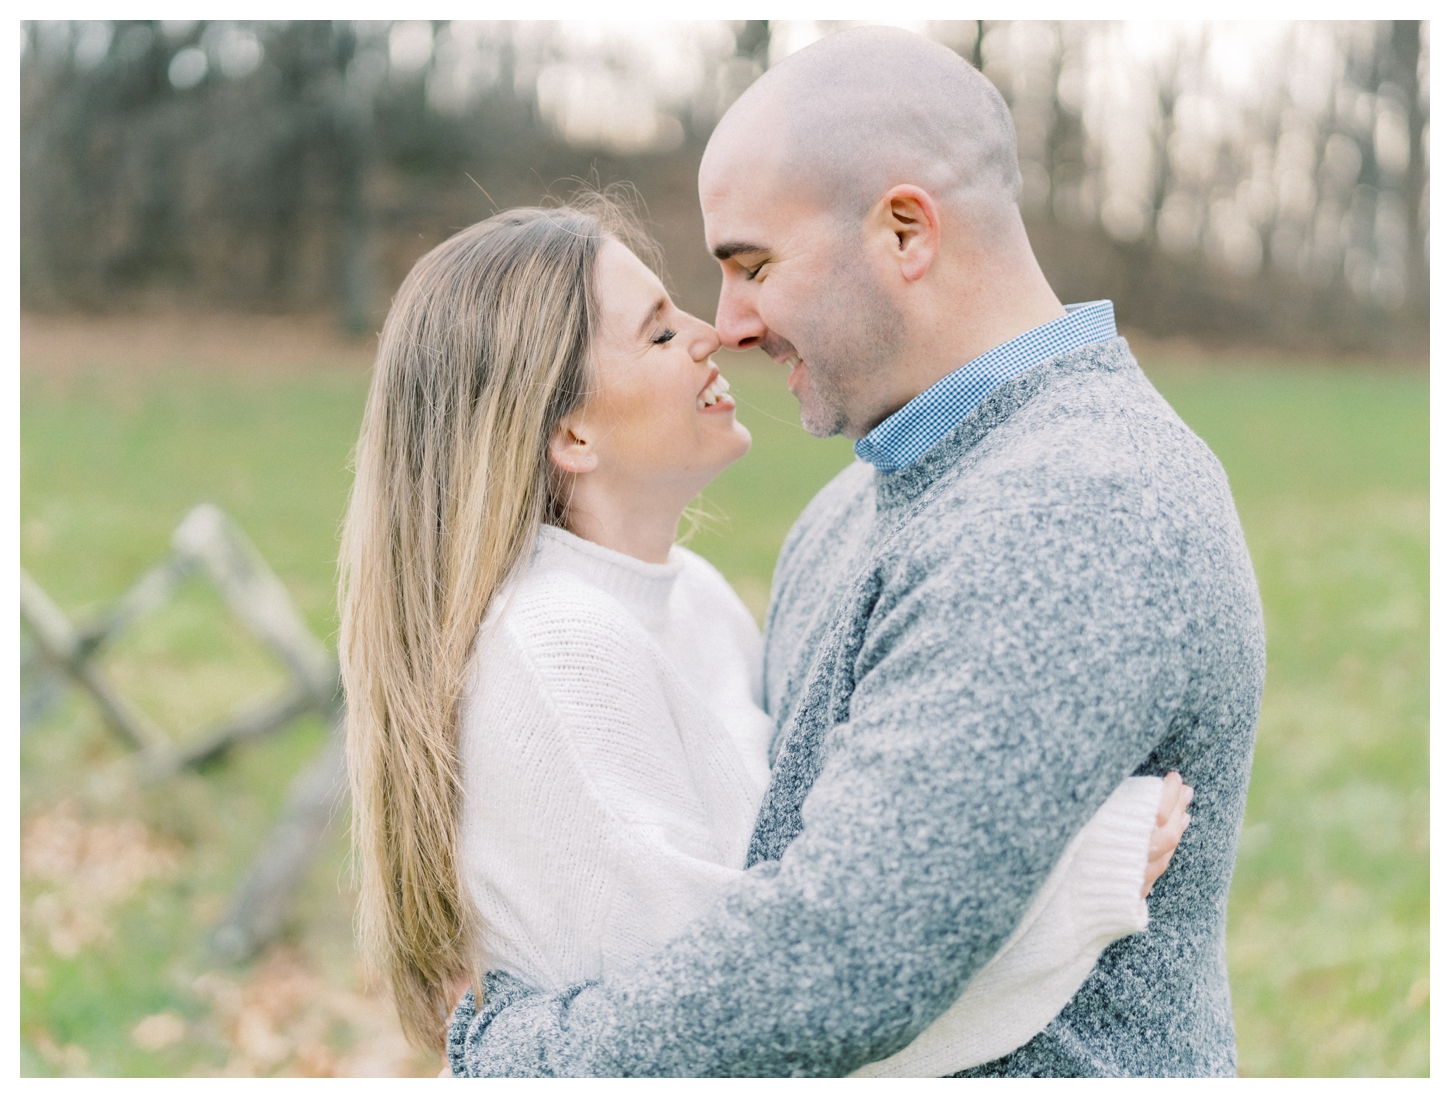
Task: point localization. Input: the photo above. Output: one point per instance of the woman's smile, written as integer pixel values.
(715, 396)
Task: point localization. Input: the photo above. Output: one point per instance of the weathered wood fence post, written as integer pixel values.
(209, 543)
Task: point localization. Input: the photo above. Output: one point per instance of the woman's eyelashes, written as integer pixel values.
(664, 337)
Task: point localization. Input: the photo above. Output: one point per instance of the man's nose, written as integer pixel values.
(736, 320)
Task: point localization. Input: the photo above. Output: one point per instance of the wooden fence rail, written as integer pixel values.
(208, 543)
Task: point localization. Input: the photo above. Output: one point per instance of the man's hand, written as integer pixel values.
(1173, 819)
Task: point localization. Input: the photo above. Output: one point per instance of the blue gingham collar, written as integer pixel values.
(912, 430)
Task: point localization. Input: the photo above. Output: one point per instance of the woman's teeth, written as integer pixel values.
(717, 389)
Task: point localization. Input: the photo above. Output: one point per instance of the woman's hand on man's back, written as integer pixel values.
(1173, 819)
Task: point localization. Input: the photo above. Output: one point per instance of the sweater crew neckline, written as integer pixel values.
(896, 489)
(640, 585)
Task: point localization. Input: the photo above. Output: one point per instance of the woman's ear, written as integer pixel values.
(911, 216)
(570, 451)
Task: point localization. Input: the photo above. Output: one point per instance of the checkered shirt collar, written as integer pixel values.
(912, 430)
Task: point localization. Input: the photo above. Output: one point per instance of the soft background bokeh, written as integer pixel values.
(215, 214)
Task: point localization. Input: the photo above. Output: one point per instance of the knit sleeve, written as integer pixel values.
(1092, 897)
(1002, 677)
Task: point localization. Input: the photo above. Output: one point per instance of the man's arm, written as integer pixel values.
(1003, 683)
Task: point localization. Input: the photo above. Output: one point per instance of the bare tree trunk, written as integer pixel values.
(1405, 52)
(752, 40)
(353, 126)
(1065, 157)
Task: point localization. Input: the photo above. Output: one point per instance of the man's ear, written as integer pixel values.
(912, 217)
(570, 448)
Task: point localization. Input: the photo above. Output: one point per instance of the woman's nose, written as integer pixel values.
(705, 342)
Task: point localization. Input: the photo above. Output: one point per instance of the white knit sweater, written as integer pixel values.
(614, 757)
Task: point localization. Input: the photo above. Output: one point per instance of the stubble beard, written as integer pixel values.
(823, 403)
(855, 335)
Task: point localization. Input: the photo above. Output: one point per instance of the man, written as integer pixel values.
(1033, 585)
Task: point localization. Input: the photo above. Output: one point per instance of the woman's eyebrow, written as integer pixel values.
(654, 311)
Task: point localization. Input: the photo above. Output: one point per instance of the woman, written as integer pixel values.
(556, 741)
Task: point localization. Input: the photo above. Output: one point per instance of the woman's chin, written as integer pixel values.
(743, 441)
(722, 418)
(742, 432)
(739, 448)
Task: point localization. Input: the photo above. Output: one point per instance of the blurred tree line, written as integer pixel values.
(1262, 183)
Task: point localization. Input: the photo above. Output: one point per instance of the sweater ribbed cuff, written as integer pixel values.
(1112, 859)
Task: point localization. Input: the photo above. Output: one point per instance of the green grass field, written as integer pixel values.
(1329, 918)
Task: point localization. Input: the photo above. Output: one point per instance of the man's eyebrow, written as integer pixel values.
(654, 311)
(723, 252)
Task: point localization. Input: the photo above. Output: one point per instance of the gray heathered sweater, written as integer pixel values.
(965, 657)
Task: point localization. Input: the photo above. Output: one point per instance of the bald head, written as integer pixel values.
(866, 109)
(861, 198)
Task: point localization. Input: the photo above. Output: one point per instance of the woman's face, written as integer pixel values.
(656, 418)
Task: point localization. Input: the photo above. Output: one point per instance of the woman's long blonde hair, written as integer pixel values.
(485, 350)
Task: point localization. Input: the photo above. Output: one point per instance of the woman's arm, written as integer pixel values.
(1094, 895)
